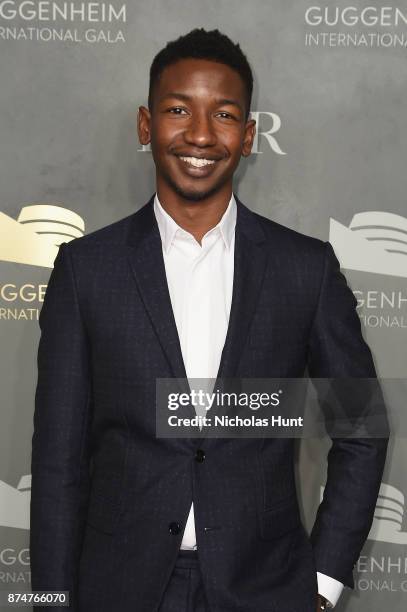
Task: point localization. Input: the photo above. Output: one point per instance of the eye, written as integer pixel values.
(177, 110)
(225, 115)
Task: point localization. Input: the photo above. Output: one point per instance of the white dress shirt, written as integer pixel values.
(200, 282)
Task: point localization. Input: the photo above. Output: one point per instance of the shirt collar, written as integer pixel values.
(168, 227)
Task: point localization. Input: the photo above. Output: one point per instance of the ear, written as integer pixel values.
(143, 125)
(249, 134)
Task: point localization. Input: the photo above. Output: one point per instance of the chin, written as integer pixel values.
(195, 194)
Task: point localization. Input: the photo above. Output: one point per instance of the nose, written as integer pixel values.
(200, 131)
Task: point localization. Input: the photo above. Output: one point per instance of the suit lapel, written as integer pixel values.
(147, 263)
(249, 267)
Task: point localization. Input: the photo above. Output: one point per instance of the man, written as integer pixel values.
(192, 285)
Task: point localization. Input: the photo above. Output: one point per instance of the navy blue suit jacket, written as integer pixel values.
(105, 490)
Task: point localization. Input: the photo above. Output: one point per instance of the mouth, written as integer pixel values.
(197, 167)
(197, 162)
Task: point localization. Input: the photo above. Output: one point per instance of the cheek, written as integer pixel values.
(164, 133)
(233, 141)
(235, 153)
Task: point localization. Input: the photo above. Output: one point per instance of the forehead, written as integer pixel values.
(200, 78)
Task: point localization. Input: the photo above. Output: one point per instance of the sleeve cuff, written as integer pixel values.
(329, 588)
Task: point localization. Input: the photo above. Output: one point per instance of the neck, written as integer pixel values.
(197, 218)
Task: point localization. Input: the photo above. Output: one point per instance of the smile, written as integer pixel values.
(198, 162)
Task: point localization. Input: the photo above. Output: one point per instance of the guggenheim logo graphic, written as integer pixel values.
(15, 504)
(374, 242)
(35, 237)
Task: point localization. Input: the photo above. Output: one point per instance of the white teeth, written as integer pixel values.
(197, 162)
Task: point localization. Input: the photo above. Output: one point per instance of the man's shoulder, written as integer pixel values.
(111, 236)
(286, 238)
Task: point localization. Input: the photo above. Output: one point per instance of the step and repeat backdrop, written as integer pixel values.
(329, 161)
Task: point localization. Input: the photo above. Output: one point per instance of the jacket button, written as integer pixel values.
(200, 455)
(174, 528)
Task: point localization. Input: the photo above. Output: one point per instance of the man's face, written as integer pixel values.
(197, 127)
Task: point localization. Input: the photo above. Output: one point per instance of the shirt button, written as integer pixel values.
(200, 455)
(174, 528)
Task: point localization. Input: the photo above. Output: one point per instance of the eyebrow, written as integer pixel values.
(219, 101)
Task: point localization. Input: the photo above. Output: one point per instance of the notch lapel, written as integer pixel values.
(147, 263)
(250, 261)
(249, 267)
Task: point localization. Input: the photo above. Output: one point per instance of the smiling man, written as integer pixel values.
(198, 126)
(192, 285)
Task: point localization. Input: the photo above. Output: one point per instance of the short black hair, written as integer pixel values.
(207, 45)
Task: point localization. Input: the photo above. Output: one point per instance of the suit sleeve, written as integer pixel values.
(60, 450)
(355, 465)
